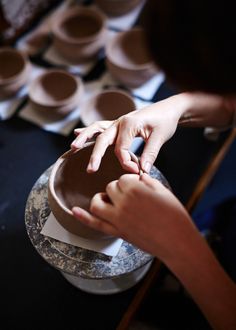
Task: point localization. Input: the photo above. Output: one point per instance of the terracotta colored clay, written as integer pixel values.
(117, 7)
(107, 105)
(128, 58)
(37, 42)
(55, 92)
(79, 33)
(71, 185)
(14, 71)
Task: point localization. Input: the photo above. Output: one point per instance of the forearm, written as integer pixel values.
(207, 283)
(201, 110)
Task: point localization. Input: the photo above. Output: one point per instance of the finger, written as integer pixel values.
(93, 222)
(128, 180)
(102, 207)
(102, 142)
(123, 142)
(77, 131)
(113, 191)
(84, 134)
(150, 152)
(150, 182)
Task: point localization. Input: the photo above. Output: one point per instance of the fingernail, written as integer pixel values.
(147, 167)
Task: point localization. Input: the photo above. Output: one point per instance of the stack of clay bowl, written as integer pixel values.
(117, 7)
(55, 93)
(128, 58)
(70, 185)
(79, 33)
(107, 105)
(14, 71)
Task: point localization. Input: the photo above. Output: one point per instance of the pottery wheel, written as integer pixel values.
(71, 259)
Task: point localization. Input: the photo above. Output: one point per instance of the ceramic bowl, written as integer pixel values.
(117, 7)
(107, 105)
(14, 71)
(79, 33)
(128, 59)
(70, 185)
(55, 92)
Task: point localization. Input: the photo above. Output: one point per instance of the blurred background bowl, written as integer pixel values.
(14, 71)
(55, 92)
(70, 185)
(128, 58)
(117, 7)
(79, 33)
(107, 105)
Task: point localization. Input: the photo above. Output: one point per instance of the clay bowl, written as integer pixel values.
(128, 59)
(55, 93)
(14, 71)
(117, 7)
(107, 105)
(36, 42)
(70, 185)
(79, 33)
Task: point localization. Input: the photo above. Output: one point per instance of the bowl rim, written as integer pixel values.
(85, 107)
(110, 58)
(55, 168)
(24, 69)
(76, 94)
(73, 12)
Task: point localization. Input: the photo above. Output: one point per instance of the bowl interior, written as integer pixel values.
(75, 187)
(12, 63)
(129, 50)
(81, 25)
(108, 105)
(53, 87)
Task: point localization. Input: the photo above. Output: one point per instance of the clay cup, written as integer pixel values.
(128, 59)
(107, 105)
(14, 71)
(55, 93)
(79, 33)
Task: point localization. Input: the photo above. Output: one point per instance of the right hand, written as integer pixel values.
(155, 124)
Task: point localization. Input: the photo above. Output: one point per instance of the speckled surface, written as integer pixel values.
(74, 260)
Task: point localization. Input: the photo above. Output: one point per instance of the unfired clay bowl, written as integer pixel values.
(107, 105)
(79, 33)
(36, 42)
(128, 58)
(14, 71)
(55, 92)
(117, 7)
(70, 185)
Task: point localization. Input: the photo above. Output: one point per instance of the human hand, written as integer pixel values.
(158, 225)
(155, 124)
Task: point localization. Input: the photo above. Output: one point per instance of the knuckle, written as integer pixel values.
(126, 121)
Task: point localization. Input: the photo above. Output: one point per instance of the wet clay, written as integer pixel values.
(70, 185)
(75, 187)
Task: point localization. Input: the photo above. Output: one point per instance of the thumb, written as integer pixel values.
(150, 182)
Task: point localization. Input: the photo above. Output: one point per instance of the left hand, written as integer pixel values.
(142, 212)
